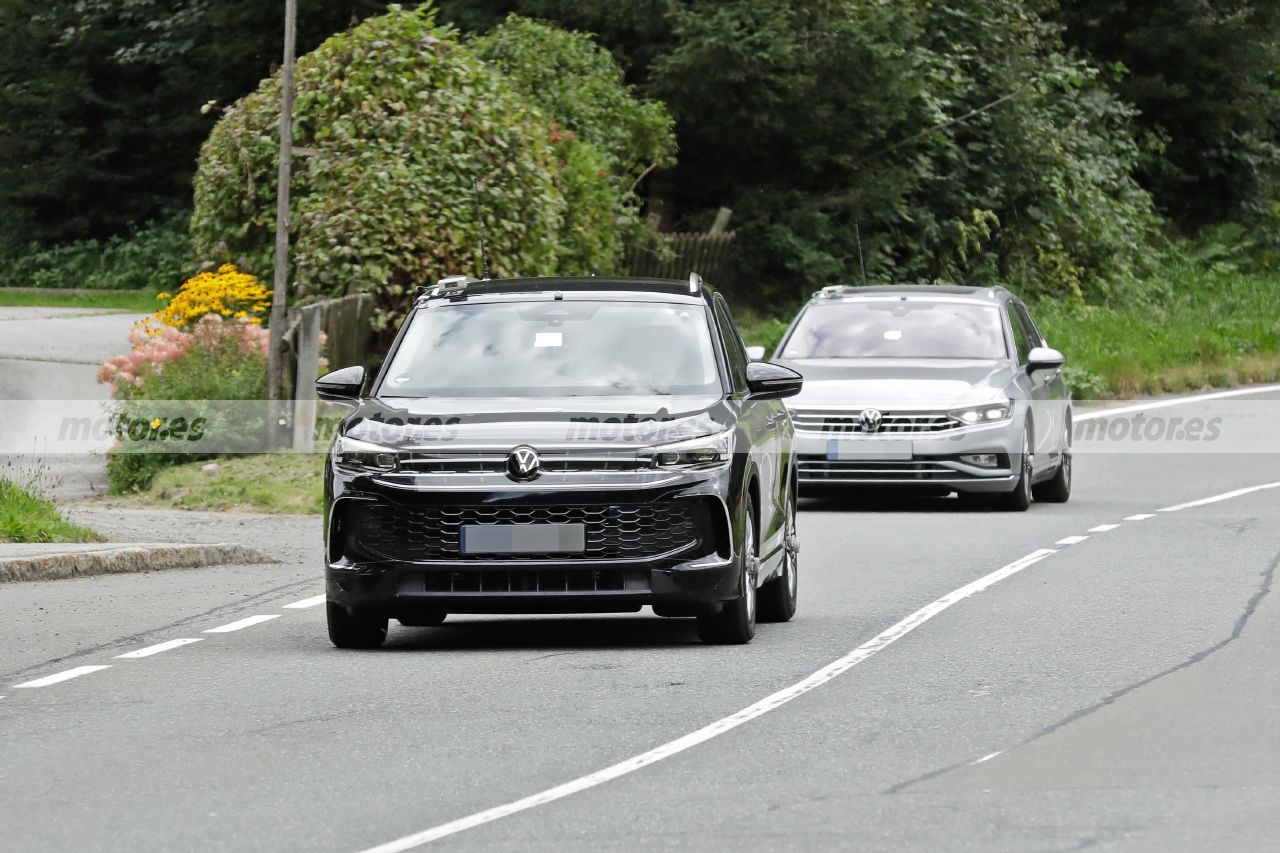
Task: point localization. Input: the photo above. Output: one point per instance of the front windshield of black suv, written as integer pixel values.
(898, 328)
(562, 348)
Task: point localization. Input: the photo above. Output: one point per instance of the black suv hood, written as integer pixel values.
(505, 421)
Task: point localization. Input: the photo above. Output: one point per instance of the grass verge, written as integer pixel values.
(1192, 328)
(142, 301)
(26, 516)
(277, 483)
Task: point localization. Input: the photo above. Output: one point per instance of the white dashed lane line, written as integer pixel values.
(1071, 540)
(1142, 516)
(1103, 528)
(62, 676)
(242, 623)
(157, 649)
(306, 602)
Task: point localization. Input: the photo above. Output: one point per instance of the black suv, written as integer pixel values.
(562, 445)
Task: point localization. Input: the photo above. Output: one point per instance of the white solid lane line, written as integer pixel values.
(242, 623)
(719, 727)
(157, 649)
(1225, 496)
(1103, 528)
(1071, 540)
(1142, 516)
(1175, 401)
(306, 602)
(62, 676)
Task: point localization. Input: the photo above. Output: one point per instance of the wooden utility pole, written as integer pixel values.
(280, 291)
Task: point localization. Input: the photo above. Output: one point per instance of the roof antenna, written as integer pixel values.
(857, 228)
(484, 250)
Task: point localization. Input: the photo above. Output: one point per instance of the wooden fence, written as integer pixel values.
(679, 254)
(344, 324)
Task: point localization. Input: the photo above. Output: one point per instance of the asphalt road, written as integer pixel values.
(1116, 693)
(53, 354)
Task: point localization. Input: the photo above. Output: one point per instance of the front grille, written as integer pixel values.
(490, 462)
(613, 532)
(899, 422)
(813, 467)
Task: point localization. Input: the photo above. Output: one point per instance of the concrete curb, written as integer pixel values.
(119, 559)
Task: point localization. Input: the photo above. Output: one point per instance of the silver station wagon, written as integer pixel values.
(929, 387)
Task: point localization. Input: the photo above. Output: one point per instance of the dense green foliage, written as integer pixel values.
(967, 140)
(100, 102)
(400, 121)
(1205, 77)
(154, 258)
(814, 120)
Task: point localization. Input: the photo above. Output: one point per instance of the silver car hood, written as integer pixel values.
(887, 383)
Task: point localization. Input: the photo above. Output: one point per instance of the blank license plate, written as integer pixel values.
(524, 539)
(869, 450)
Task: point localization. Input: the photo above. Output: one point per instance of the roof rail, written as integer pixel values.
(461, 287)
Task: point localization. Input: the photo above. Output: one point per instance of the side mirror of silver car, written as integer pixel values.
(1044, 358)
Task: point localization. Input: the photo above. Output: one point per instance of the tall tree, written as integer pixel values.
(1205, 77)
(100, 101)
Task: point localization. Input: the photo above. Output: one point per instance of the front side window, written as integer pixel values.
(554, 349)
(898, 328)
(735, 349)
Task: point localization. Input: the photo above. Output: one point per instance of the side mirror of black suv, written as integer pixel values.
(772, 381)
(341, 386)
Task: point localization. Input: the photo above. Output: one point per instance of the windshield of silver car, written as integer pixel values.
(898, 328)
(556, 348)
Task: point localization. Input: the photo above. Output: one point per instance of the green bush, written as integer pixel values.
(155, 257)
(402, 120)
(611, 137)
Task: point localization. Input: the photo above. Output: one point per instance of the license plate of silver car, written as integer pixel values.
(524, 539)
(869, 450)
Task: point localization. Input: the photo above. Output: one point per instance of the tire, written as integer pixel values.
(778, 596)
(735, 624)
(1019, 500)
(1058, 489)
(355, 632)
(429, 618)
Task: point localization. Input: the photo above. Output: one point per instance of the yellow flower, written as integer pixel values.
(164, 296)
(155, 424)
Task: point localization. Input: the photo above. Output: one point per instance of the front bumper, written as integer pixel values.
(378, 526)
(913, 460)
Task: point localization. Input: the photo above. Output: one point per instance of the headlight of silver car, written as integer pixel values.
(707, 453)
(358, 455)
(1000, 410)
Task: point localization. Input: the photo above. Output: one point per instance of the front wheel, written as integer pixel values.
(735, 624)
(1019, 500)
(778, 596)
(1058, 490)
(355, 632)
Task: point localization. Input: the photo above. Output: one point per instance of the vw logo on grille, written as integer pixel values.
(870, 420)
(523, 463)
